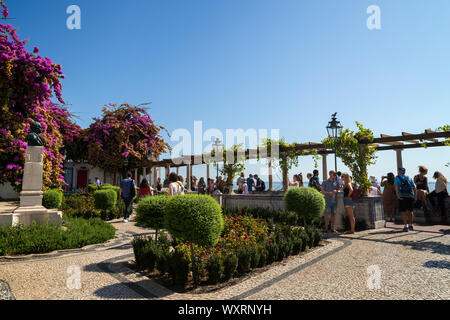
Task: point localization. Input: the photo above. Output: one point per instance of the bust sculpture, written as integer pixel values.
(33, 138)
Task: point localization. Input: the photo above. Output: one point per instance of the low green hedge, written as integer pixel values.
(308, 203)
(52, 199)
(42, 238)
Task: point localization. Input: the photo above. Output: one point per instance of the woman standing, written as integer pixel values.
(389, 196)
(144, 189)
(441, 193)
(201, 186)
(349, 204)
(175, 186)
(296, 182)
(158, 185)
(421, 182)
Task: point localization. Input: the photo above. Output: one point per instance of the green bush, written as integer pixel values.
(42, 238)
(107, 186)
(178, 267)
(215, 268)
(285, 249)
(230, 266)
(92, 188)
(297, 245)
(263, 255)
(198, 270)
(150, 212)
(308, 203)
(105, 199)
(255, 256)
(162, 264)
(244, 260)
(305, 241)
(272, 252)
(194, 218)
(52, 199)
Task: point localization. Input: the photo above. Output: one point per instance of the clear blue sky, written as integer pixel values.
(256, 64)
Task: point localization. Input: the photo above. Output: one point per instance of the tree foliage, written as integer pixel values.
(356, 152)
(122, 132)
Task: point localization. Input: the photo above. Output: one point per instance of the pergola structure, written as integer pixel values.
(397, 143)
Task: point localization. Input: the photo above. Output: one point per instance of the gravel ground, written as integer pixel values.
(374, 264)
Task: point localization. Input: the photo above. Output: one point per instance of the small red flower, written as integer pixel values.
(240, 212)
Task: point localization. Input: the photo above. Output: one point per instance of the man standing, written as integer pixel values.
(330, 188)
(127, 193)
(405, 189)
(250, 183)
(98, 183)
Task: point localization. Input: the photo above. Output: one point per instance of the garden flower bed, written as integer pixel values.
(247, 245)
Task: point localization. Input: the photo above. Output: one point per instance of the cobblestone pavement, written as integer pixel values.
(374, 264)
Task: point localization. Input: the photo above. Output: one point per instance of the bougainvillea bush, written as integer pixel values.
(28, 85)
(123, 132)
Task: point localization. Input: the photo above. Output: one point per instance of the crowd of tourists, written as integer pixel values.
(399, 192)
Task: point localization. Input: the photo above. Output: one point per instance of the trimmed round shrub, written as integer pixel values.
(215, 268)
(150, 212)
(52, 199)
(230, 265)
(194, 218)
(108, 186)
(105, 199)
(308, 203)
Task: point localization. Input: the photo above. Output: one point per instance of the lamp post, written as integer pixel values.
(334, 129)
(217, 144)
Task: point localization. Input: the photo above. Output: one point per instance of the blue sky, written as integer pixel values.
(259, 64)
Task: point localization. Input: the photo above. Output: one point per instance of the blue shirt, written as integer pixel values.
(330, 186)
(125, 185)
(250, 183)
(398, 182)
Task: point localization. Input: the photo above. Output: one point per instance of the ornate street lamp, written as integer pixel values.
(334, 129)
(217, 144)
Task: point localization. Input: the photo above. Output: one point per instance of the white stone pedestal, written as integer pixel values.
(31, 208)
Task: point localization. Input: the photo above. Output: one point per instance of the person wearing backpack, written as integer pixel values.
(406, 192)
(314, 181)
(127, 193)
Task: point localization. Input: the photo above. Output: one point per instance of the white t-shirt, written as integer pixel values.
(245, 186)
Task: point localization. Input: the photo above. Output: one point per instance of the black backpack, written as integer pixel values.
(132, 189)
(405, 186)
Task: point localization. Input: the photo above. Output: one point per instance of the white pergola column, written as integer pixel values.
(399, 158)
(324, 167)
(269, 161)
(188, 174)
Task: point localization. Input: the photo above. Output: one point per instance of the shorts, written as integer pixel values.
(330, 206)
(405, 204)
(348, 202)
